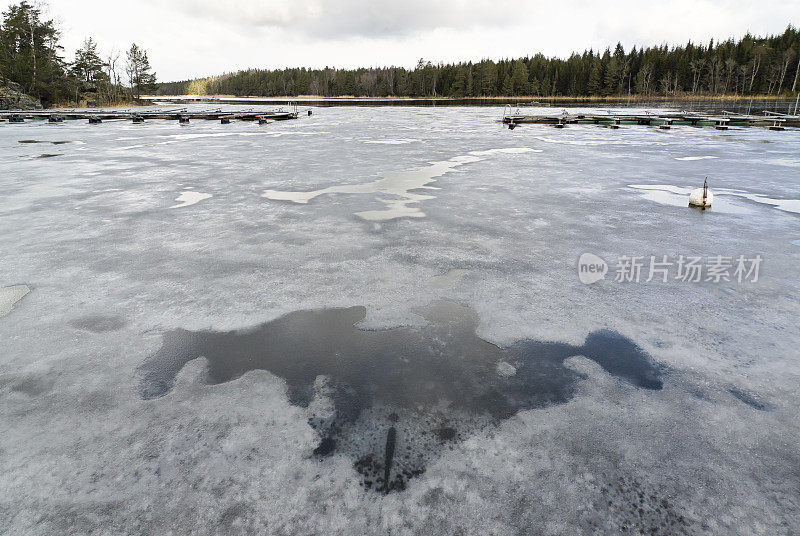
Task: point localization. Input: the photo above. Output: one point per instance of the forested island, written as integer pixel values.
(33, 72)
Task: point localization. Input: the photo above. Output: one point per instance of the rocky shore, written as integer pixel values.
(12, 98)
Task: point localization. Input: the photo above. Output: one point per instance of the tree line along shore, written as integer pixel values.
(520, 99)
(33, 72)
(768, 67)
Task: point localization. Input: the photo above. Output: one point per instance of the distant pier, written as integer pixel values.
(772, 120)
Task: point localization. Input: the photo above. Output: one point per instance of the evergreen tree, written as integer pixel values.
(459, 85)
(88, 67)
(519, 79)
(595, 85)
(508, 85)
(140, 77)
(29, 53)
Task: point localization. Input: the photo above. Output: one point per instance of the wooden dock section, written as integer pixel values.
(663, 120)
(182, 115)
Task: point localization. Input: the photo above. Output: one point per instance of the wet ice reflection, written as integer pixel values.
(399, 185)
(370, 393)
(678, 196)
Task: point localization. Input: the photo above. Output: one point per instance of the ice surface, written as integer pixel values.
(112, 271)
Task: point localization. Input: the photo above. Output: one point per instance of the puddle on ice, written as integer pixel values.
(62, 142)
(392, 399)
(786, 205)
(396, 141)
(399, 185)
(678, 196)
(448, 280)
(11, 295)
(98, 323)
(749, 399)
(42, 141)
(189, 198)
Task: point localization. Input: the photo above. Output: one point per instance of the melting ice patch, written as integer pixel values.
(392, 399)
(448, 280)
(584, 142)
(179, 138)
(189, 198)
(786, 205)
(667, 194)
(190, 136)
(399, 185)
(11, 295)
(396, 141)
(677, 196)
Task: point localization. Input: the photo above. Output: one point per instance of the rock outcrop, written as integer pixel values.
(12, 98)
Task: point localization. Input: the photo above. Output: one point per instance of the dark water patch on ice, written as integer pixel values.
(43, 141)
(47, 155)
(749, 399)
(98, 323)
(33, 384)
(392, 399)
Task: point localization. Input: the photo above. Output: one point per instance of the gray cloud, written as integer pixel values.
(191, 38)
(354, 18)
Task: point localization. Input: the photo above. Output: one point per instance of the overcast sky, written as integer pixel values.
(193, 38)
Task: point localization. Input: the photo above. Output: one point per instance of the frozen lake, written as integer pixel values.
(371, 321)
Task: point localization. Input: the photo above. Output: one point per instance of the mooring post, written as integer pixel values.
(705, 190)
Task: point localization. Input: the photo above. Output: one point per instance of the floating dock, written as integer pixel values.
(182, 115)
(613, 119)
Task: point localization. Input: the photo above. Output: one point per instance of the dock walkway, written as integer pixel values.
(771, 120)
(182, 115)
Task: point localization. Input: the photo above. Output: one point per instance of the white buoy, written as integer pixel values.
(701, 197)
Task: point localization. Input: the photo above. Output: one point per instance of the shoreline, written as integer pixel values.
(520, 98)
(176, 100)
